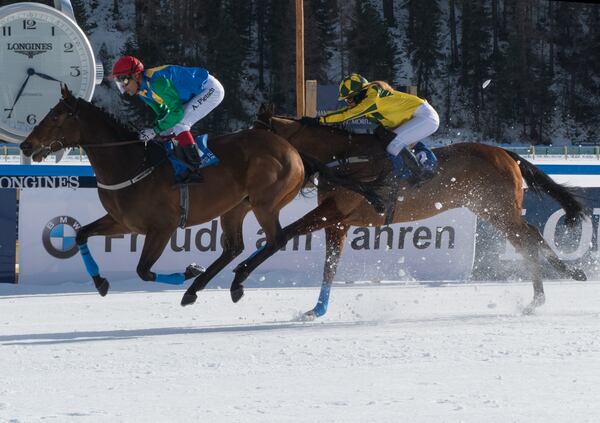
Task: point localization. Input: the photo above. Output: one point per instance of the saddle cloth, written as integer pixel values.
(426, 158)
(207, 157)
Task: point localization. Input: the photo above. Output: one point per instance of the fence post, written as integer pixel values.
(566, 152)
(533, 152)
(310, 102)
(597, 150)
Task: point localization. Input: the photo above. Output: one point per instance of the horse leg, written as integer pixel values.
(554, 260)
(233, 240)
(154, 244)
(526, 240)
(269, 222)
(335, 237)
(106, 225)
(324, 215)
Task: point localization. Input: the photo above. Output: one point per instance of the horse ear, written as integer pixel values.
(66, 93)
(262, 109)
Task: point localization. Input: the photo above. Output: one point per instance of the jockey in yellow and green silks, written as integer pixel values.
(179, 96)
(407, 117)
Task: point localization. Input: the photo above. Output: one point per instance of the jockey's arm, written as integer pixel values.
(367, 105)
(169, 105)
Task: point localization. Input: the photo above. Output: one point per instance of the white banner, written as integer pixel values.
(439, 248)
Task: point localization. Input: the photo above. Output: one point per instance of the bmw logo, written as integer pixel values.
(59, 237)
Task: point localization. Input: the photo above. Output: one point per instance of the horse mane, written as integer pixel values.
(122, 130)
(336, 128)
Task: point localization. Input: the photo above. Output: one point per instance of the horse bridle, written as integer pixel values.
(58, 144)
(269, 127)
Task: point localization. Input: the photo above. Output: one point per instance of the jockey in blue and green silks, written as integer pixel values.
(179, 96)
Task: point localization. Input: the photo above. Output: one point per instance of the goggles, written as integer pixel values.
(122, 81)
(350, 100)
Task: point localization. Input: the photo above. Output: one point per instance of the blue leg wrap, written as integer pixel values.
(172, 279)
(255, 253)
(88, 260)
(321, 307)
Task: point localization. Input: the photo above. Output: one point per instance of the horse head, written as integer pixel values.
(60, 128)
(284, 126)
(266, 111)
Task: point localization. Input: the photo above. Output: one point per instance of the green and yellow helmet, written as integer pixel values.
(351, 85)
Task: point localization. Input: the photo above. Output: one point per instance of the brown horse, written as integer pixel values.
(484, 179)
(259, 171)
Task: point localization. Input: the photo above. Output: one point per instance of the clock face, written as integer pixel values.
(39, 46)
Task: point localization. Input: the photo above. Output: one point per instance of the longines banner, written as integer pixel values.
(439, 248)
(46, 176)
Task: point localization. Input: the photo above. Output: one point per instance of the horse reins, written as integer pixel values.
(344, 162)
(269, 127)
(47, 149)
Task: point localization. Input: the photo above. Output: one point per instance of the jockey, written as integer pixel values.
(179, 96)
(406, 118)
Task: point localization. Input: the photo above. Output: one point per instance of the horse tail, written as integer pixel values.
(540, 183)
(368, 190)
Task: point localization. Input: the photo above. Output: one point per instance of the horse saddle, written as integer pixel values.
(207, 157)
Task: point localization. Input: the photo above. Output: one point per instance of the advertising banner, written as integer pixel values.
(440, 248)
(8, 234)
(46, 176)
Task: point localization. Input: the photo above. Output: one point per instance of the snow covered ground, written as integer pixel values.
(387, 353)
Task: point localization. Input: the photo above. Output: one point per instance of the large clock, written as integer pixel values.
(40, 47)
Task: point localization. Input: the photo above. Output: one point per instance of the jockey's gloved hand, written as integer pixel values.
(309, 121)
(147, 134)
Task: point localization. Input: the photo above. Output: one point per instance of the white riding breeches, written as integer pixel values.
(199, 106)
(424, 122)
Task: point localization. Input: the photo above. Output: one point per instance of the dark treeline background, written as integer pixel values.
(542, 56)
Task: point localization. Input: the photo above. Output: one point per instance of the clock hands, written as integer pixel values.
(30, 72)
(44, 76)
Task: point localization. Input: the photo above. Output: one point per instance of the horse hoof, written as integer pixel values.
(529, 310)
(537, 301)
(193, 270)
(578, 275)
(102, 285)
(237, 294)
(188, 299)
(309, 316)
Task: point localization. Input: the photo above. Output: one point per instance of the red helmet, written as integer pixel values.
(127, 65)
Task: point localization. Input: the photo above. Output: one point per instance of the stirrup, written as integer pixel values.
(191, 177)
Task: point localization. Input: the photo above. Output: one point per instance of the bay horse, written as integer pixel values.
(259, 171)
(485, 179)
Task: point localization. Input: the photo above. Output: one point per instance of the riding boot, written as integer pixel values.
(191, 156)
(413, 164)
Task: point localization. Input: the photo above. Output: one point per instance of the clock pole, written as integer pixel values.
(65, 7)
